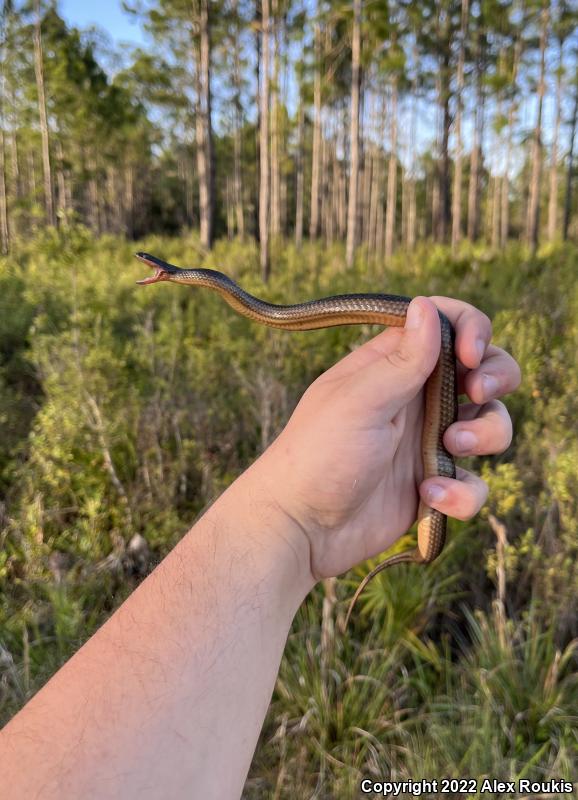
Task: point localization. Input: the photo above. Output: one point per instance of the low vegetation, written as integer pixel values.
(124, 411)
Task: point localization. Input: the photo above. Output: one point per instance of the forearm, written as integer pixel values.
(177, 683)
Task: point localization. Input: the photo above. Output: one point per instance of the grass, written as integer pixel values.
(466, 668)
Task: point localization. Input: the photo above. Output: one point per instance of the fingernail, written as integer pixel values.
(414, 316)
(480, 349)
(490, 385)
(466, 441)
(435, 493)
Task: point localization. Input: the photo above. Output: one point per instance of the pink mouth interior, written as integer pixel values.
(158, 276)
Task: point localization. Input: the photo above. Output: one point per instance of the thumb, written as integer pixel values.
(406, 361)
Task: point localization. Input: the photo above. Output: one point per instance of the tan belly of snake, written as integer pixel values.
(352, 309)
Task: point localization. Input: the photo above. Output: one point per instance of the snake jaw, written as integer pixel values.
(162, 273)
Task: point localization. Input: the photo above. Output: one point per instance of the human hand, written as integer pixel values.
(347, 469)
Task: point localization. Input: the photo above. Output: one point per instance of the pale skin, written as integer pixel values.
(168, 698)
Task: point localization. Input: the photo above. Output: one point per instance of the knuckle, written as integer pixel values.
(507, 440)
(502, 426)
(471, 501)
(400, 358)
(507, 433)
(516, 374)
(486, 323)
(404, 359)
(466, 513)
(496, 406)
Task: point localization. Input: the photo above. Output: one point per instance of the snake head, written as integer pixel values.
(163, 271)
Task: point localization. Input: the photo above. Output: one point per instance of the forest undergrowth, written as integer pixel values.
(125, 411)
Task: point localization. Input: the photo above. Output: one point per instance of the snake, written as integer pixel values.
(352, 309)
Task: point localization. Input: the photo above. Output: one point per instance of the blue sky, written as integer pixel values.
(107, 14)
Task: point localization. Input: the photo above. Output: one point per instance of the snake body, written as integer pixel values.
(351, 309)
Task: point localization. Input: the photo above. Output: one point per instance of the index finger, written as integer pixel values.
(473, 329)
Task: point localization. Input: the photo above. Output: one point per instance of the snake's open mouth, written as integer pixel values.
(160, 275)
(161, 271)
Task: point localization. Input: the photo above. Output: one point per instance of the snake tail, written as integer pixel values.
(409, 557)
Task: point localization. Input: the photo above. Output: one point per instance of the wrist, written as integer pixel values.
(278, 546)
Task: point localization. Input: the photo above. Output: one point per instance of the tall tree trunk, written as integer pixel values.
(411, 215)
(229, 208)
(411, 202)
(391, 177)
(264, 144)
(237, 144)
(475, 156)
(327, 196)
(445, 209)
(436, 171)
(457, 190)
(183, 217)
(238, 172)
(404, 199)
(43, 117)
(342, 215)
(405, 148)
(14, 165)
(435, 199)
(4, 231)
(495, 237)
(14, 160)
(31, 170)
(335, 188)
(505, 199)
(533, 217)
(365, 204)
(129, 204)
(275, 171)
(322, 186)
(354, 134)
(258, 19)
(473, 186)
(284, 176)
(116, 201)
(570, 167)
(92, 190)
(189, 186)
(378, 234)
(380, 231)
(316, 152)
(60, 177)
(505, 214)
(299, 174)
(553, 199)
(204, 128)
(375, 197)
